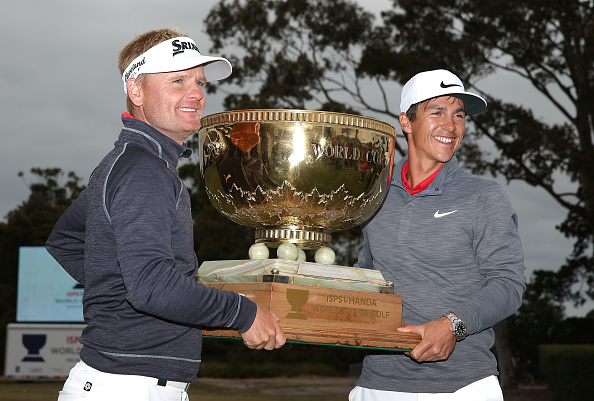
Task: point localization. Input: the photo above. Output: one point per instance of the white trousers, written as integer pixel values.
(487, 389)
(88, 384)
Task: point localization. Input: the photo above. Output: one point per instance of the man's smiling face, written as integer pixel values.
(173, 102)
(437, 130)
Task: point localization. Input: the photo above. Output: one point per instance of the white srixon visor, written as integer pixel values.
(176, 54)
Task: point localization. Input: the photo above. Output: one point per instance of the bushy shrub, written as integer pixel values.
(568, 370)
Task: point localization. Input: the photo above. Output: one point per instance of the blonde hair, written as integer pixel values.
(139, 45)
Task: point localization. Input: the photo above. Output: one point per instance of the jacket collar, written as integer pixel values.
(154, 141)
(436, 186)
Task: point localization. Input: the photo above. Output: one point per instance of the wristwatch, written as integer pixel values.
(458, 326)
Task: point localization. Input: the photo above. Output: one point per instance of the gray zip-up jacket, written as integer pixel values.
(453, 247)
(128, 239)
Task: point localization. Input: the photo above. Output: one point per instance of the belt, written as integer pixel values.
(182, 385)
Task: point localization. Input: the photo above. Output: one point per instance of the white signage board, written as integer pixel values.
(46, 293)
(41, 351)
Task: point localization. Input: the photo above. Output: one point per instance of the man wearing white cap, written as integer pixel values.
(128, 239)
(449, 242)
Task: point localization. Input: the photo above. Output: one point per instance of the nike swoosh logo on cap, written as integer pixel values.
(437, 215)
(447, 85)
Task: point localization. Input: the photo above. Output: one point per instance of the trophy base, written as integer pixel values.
(323, 311)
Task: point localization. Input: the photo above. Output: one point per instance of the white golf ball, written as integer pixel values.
(259, 251)
(302, 257)
(287, 251)
(325, 256)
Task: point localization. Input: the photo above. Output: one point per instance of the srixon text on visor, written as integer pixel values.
(180, 47)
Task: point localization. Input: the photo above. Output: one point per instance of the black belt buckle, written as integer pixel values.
(163, 383)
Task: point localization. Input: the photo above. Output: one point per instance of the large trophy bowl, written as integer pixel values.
(295, 175)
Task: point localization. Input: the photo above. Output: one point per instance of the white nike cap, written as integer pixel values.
(176, 54)
(429, 84)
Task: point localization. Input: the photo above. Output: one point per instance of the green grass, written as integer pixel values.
(29, 391)
(264, 390)
(274, 389)
(206, 392)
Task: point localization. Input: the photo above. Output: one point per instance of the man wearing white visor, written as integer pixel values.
(128, 239)
(449, 242)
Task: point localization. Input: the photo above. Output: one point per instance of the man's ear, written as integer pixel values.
(405, 123)
(134, 92)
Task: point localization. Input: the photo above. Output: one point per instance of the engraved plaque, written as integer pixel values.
(332, 305)
(327, 315)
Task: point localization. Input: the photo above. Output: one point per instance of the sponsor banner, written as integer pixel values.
(46, 293)
(41, 351)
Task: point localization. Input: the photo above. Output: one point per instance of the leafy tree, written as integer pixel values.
(29, 225)
(532, 325)
(333, 55)
(541, 320)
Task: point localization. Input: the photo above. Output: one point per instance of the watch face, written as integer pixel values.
(460, 330)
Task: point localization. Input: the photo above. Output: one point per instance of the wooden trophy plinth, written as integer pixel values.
(319, 314)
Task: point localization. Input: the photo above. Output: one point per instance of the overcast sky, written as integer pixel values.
(61, 98)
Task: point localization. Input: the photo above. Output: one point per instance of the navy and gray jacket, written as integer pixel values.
(452, 247)
(128, 239)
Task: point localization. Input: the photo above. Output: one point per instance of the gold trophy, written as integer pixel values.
(296, 176)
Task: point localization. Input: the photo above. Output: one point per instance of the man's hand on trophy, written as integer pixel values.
(265, 332)
(437, 340)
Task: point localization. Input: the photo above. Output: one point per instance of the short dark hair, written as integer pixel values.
(411, 113)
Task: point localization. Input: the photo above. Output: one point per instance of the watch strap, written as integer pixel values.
(458, 326)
